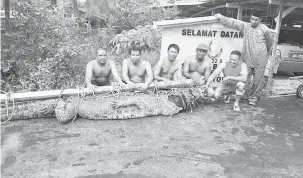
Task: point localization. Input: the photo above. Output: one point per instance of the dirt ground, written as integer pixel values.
(211, 141)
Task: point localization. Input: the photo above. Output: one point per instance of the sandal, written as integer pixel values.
(226, 99)
(237, 108)
(253, 103)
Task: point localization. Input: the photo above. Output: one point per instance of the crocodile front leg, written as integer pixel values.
(125, 103)
(143, 112)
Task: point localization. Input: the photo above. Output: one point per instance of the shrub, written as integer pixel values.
(147, 37)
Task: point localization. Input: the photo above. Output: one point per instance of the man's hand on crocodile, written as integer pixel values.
(167, 81)
(131, 84)
(91, 88)
(142, 86)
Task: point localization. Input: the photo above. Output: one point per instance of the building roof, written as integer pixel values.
(187, 21)
(202, 8)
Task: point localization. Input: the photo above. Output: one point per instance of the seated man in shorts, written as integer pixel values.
(198, 67)
(135, 69)
(235, 76)
(98, 71)
(167, 67)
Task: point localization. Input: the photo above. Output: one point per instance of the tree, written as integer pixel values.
(43, 50)
(131, 13)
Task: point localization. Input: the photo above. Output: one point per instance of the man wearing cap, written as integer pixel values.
(257, 46)
(198, 68)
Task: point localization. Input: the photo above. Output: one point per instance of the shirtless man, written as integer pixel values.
(235, 75)
(167, 67)
(134, 69)
(198, 68)
(99, 70)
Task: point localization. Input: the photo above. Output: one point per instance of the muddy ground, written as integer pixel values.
(211, 141)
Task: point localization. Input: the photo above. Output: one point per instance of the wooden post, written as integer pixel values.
(60, 6)
(240, 11)
(213, 12)
(7, 12)
(274, 48)
(54, 2)
(75, 12)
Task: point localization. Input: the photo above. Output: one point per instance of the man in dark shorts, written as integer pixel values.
(235, 76)
(135, 70)
(167, 67)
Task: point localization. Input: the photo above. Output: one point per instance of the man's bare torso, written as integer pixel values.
(198, 66)
(101, 73)
(168, 69)
(136, 73)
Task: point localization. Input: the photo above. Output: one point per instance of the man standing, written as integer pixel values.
(257, 46)
(235, 76)
(198, 68)
(99, 70)
(167, 67)
(134, 69)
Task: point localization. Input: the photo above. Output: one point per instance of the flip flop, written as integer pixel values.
(237, 108)
(253, 103)
(226, 99)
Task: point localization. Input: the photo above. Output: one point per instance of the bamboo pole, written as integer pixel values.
(240, 12)
(274, 48)
(70, 92)
(7, 12)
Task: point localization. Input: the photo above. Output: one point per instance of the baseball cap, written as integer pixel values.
(202, 46)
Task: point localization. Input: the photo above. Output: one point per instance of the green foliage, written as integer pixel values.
(132, 20)
(132, 13)
(147, 37)
(46, 51)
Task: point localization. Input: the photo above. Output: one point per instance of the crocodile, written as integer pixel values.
(126, 105)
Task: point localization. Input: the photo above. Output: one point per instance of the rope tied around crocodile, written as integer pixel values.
(117, 89)
(66, 111)
(131, 104)
(8, 98)
(186, 98)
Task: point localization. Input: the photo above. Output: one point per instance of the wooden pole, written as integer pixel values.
(274, 48)
(7, 12)
(240, 11)
(60, 7)
(70, 92)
